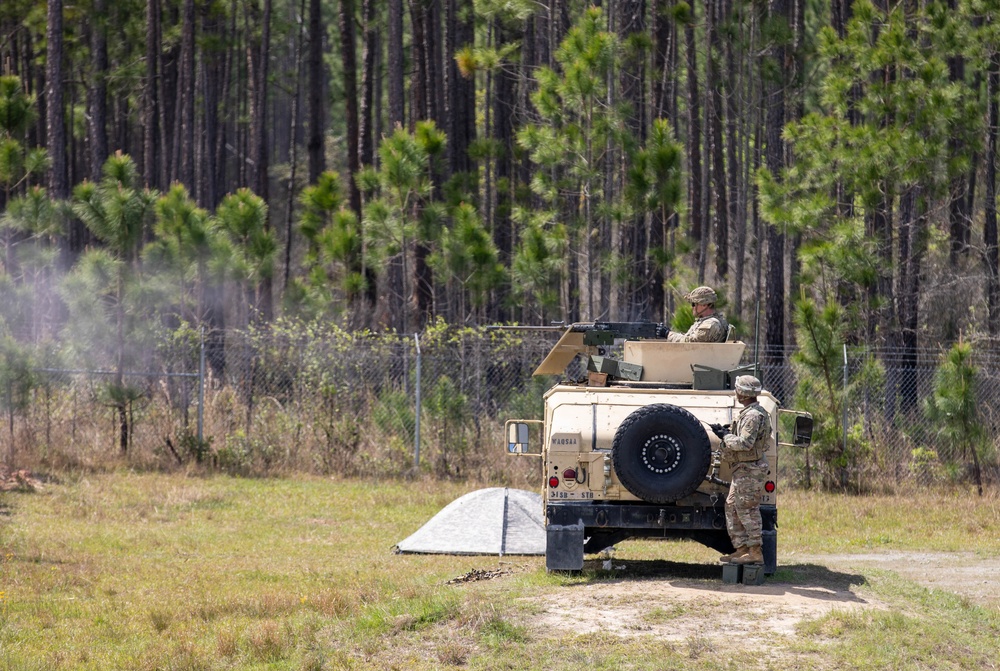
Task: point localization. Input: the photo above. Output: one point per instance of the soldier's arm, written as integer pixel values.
(745, 437)
(703, 331)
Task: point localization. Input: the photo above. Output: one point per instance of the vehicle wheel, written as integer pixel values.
(661, 453)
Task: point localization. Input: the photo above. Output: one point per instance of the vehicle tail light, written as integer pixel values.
(769, 486)
(569, 474)
(553, 481)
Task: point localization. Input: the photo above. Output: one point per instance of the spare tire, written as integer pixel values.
(661, 453)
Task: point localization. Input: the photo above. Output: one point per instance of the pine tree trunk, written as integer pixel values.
(694, 136)
(55, 122)
(317, 158)
(503, 131)
(736, 160)
(259, 182)
(212, 85)
(461, 89)
(347, 53)
(958, 208)
(367, 145)
(720, 186)
(395, 71)
(992, 257)
(419, 106)
(634, 243)
(185, 97)
(774, 354)
(98, 93)
(912, 222)
(664, 88)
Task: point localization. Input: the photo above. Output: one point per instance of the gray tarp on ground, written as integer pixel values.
(496, 520)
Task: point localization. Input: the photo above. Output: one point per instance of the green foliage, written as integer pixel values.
(252, 249)
(925, 465)
(405, 209)
(954, 408)
(186, 254)
(468, 255)
(393, 414)
(333, 259)
(402, 181)
(683, 318)
(872, 137)
(579, 124)
(818, 364)
(539, 262)
(17, 113)
(17, 108)
(17, 380)
(117, 209)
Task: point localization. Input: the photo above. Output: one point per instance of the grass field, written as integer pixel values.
(147, 571)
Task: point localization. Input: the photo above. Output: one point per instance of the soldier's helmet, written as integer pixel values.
(702, 296)
(747, 385)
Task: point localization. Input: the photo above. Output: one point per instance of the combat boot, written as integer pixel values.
(725, 559)
(753, 555)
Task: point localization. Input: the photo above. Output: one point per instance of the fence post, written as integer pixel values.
(844, 404)
(201, 390)
(416, 424)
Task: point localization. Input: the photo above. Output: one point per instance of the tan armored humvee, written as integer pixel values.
(628, 452)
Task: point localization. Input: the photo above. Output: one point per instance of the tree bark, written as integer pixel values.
(317, 157)
(716, 86)
(55, 122)
(419, 105)
(347, 53)
(395, 72)
(992, 257)
(503, 131)
(366, 139)
(212, 84)
(694, 135)
(664, 107)
(185, 97)
(260, 54)
(634, 242)
(98, 92)
(912, 224)
(774, 351)
(958, 207)
(461, 88)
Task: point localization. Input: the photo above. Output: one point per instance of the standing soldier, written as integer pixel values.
(744, 449)
(709, 325)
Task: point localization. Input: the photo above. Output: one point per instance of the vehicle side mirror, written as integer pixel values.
(517, 438)
(803, 430)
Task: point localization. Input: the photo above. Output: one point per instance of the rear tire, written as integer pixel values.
(661, 453)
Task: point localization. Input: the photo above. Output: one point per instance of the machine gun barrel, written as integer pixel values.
(515, 327)
(598, 333)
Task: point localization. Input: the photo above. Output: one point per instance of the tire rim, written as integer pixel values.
(661, 453)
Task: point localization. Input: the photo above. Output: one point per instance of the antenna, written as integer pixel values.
(756, 343)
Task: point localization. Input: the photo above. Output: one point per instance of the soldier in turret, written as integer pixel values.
(744, 449)
(709, 325)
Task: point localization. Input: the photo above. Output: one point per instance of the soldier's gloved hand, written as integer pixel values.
(662, 331)
(719, 430)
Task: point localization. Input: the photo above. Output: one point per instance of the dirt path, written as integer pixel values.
(689, 603)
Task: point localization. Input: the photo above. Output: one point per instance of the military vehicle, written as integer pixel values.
(627, 448)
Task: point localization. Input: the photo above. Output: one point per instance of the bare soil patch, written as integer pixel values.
(690, 604)
(968, 574)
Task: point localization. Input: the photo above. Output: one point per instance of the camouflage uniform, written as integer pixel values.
(744, 449)
(712, 328)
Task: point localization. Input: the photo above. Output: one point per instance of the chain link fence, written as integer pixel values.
(300, 399)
